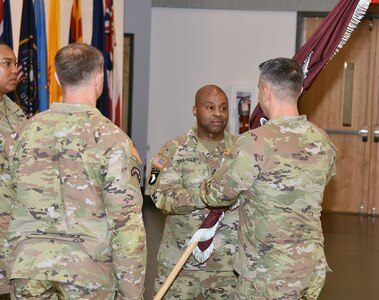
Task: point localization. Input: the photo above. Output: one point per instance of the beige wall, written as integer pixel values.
(193, 47)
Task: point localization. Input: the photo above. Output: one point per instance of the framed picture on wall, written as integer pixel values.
(242, 102)
(127, 80)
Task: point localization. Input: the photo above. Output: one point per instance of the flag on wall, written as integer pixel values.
(55, 92)
(326, 41)
(112, 70)
(76, 34)
(98, 41)
(26, 90)
(43, 91)
(6, 23)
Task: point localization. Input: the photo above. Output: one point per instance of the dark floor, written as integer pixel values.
(352, 251)
(351, 246)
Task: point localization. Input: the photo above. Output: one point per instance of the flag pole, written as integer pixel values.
(175, 271)
(205, 233)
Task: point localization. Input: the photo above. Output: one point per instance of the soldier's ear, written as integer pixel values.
(57, 79)
(194, 111)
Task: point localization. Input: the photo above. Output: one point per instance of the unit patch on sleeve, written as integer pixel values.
(135, 172)
(153, 176)
(135, 153)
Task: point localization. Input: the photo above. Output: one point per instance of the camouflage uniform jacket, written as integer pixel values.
(77, 214)
(279, 171)
(11, 117)
(176, 193)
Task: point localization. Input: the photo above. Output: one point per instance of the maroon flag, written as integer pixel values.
(326, 41)
(204, 235)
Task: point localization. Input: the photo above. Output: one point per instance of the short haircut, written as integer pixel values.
(76, 63)
(207, 90)
(283, 75)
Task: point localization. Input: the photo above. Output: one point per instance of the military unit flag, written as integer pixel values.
(331, 35)
(43, 88)
(326, 41)
(6, 23)
(98, 41)
(75, 34)
(27, 87)
(52, 48)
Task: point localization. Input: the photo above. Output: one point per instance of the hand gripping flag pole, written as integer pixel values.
(325, 42)
(201, 245)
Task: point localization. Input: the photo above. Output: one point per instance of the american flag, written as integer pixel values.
(158, 161)
(111, 66)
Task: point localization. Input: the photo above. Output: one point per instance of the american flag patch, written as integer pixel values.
(158, 162)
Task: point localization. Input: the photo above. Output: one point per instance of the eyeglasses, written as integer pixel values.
(7, 63)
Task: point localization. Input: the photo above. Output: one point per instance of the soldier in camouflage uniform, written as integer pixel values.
(279, 171)
(76, 230)
(176, 174)
(11, 117)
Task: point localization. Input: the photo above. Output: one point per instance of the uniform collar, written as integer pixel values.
(73, 107)
(8, 107)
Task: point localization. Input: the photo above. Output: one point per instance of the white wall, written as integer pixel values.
(138, 21)
(194, 47)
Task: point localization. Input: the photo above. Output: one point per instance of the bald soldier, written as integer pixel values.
(76, 230)
(176, 173)
(11, 117)
(279, 172)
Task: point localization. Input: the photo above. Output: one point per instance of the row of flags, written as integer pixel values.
(37, 87)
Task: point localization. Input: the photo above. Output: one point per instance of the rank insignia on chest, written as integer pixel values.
(227, 152)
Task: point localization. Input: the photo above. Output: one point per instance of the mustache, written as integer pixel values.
(217, 118)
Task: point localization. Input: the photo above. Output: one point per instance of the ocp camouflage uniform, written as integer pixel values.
(11, 117)
(279, 171)
(76, 217)
(174, 186)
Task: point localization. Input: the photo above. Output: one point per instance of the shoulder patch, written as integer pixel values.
(158, 162)
(135, 172)
(153, 176)
(135, 153)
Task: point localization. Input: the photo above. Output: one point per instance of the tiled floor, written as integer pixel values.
(351, 246)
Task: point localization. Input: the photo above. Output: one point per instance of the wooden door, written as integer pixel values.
(343, 101)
